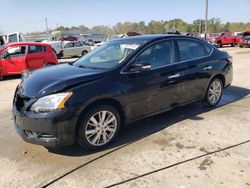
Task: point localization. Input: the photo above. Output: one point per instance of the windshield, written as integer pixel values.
(108, 55)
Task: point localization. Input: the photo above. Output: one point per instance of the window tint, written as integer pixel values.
(192, 49)
(69, 45)
(36, 49)
(16, 51)
(13, 38)
(158, 54)
(78, 44)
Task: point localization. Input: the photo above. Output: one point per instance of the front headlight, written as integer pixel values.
(51, 102)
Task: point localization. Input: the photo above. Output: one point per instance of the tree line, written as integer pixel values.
(215, 25)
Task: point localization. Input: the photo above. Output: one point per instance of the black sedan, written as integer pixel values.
(124, 80)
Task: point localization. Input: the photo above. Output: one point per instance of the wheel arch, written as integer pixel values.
(99, 102)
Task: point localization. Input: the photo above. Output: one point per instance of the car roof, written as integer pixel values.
(26, 43)
(153, 37)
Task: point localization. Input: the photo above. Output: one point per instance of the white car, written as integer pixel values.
(56, 45)
(75, 48)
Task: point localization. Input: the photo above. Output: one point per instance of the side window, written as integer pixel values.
(69, 45)
(16, 51)
(192, 49)
(158, 54)
(78, 44)
(36, 49)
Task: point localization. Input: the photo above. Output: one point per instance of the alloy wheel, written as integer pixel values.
(101, 128)
(214, 92)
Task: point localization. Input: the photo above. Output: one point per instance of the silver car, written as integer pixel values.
(75, 48)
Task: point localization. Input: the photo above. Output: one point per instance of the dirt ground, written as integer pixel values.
(192, 146)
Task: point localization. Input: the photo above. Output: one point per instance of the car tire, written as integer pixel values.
(219, 45)
(233, 44)
(214, 92)
(84, 53)
(93, 133)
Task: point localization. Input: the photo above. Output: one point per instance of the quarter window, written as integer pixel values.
(157, 55)
(36, 49)
(192, 49)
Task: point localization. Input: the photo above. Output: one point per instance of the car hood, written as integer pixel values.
(57, 78)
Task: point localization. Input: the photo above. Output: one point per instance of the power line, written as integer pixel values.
(27, 23)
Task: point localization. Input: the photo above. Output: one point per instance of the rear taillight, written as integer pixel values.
(230, 59)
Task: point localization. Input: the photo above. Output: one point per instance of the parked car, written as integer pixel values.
(245, 39)
(75, 48)
(69, 38)
(212, 36)
(16, 57)
(226, 38)
(120, 82)
(11, 37)
(56, 46)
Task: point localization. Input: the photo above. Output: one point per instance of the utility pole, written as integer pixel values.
(200, 27)
(47, 29)
(206, 15)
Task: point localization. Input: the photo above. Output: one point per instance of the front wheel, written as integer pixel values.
(99, 127)
(214, 92)
(219, 45)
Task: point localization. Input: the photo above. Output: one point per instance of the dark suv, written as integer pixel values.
(122, 81)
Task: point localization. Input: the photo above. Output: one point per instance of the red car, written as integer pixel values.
(245, 40)
(226, 38)
(18, 56)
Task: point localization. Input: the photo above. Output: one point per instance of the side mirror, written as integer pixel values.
(140, 67)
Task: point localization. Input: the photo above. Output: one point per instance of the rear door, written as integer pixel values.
(36, 56)
(196, 57)
(15, 61)
(68, 49)
(78, 48)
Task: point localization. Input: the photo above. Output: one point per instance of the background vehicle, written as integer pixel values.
(245, 39)
(16, 57)
(11, 37)
(122, 81)
(226, 38)
(56, 45)
(75, 48)
(211, 36)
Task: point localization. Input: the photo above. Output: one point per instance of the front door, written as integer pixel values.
(15, 60)
(158, 88)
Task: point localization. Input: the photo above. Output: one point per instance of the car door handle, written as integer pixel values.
(207, 68)
(174, 76)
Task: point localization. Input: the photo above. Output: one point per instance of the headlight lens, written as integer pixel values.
(51, 102)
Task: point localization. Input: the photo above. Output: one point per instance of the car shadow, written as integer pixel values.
(12, 77)
(146, 127)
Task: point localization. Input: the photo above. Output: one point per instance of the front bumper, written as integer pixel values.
(53, 129)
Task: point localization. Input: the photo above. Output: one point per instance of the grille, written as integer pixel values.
(21, 101)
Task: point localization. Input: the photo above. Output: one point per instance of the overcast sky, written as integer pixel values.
(28, 15)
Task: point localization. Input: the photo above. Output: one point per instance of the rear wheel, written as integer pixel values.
(99, 127)
(84, 53)
(214, 92)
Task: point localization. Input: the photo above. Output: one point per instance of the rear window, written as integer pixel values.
(190, 49)
(36, 49)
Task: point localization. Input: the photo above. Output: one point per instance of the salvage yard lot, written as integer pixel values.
(192, 146)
